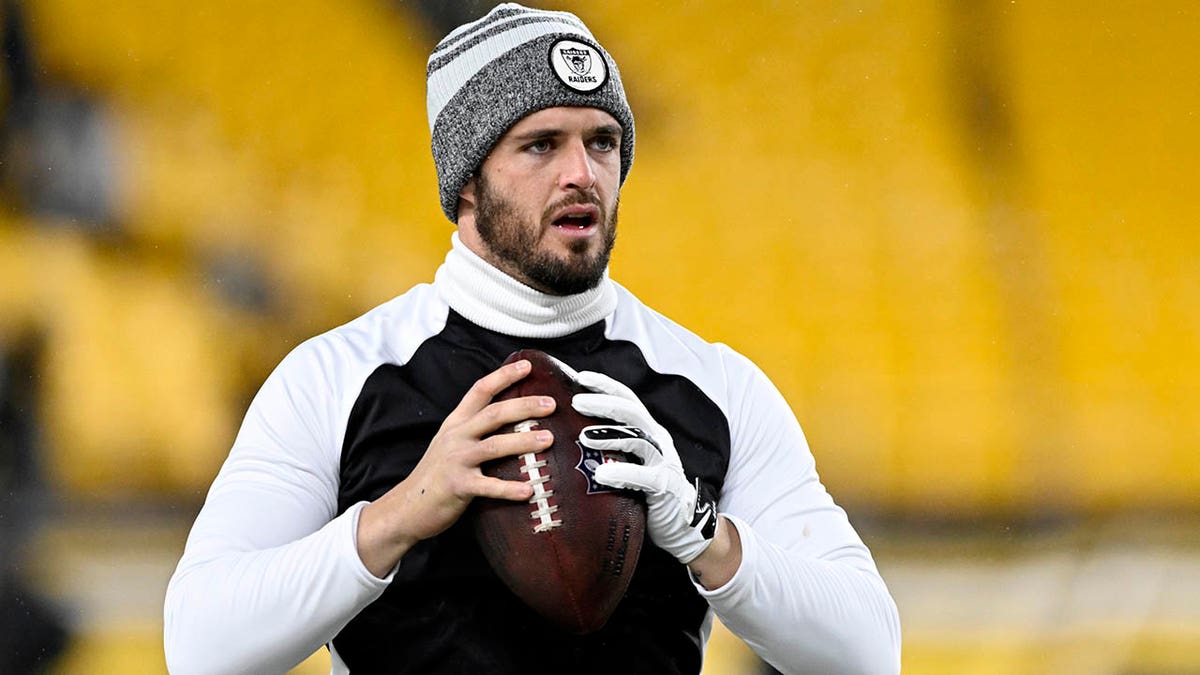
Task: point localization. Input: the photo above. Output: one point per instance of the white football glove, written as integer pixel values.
(680, 520)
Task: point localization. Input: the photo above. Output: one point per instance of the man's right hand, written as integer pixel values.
(435, 495)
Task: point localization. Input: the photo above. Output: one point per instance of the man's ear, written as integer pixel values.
(466, 199)
(467, 194)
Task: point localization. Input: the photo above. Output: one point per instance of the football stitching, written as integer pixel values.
(531, 466)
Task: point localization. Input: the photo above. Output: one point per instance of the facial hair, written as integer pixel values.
(513, 243)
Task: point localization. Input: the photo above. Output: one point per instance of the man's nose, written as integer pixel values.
(577, 171)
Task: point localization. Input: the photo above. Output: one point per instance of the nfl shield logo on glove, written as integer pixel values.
(589, 459)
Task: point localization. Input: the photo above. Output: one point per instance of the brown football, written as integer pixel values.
(569, 552)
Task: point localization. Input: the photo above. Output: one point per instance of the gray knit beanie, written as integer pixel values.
(488, 74)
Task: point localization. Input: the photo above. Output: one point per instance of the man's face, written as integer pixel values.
(543, 207)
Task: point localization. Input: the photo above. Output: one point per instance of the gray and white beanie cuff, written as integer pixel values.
(486, 75)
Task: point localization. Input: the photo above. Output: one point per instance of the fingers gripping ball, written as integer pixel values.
(570, 552)
(682, 520)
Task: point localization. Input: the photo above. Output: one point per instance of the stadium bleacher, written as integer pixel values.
(975, 330)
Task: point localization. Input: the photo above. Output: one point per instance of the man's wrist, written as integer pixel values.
(719, 562)
(380, 544)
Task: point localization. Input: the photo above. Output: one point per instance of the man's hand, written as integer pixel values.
(680, 520)
(435, 495)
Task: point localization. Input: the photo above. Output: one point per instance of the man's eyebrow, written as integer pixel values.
(540, 134)
(536, 134)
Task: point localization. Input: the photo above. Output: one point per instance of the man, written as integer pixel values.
(337, 517)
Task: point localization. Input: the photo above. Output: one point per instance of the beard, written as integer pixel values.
(513, 243)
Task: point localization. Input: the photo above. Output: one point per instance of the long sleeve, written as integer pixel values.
(269, 574)
(807, 596)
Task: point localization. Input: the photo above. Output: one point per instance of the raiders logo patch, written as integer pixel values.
(578, 65)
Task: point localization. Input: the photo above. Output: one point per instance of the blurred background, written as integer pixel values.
(958, 234)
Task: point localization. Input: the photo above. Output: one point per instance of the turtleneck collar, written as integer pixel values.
(489, 298)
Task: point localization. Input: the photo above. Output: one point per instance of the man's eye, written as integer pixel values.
(539, 146)
(604, 143)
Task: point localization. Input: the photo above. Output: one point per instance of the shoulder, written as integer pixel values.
(338, 360)
(388, 333)
(669, 347)
(315, 386)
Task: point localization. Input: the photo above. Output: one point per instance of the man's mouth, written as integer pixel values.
(577, 217)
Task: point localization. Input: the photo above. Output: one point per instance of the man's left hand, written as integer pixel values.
(679, 519)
